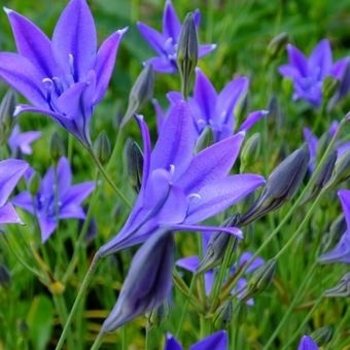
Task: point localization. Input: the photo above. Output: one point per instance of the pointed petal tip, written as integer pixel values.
(18, 110)
(7, 10)
(123, 30)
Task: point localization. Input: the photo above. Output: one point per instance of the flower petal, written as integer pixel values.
(219, 195)
(252, 119)
(33, 44)
(11, 170)
(105, 61)
(8, 215)
(298, 60)
(176, 141)
(211, 164)
(22, 75)
(216, 341)
(344, 196)
(189, 263)
(321, 59)
(171, 23)
(75, 34)
(25, 201)
(154, 38)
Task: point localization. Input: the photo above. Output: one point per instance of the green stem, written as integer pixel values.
(185, 307)
(124, 337)
(302, 325)
(287, 217)
(292, 305)
(107, 178)
(79, 297)
(340, 325)
(98, 341)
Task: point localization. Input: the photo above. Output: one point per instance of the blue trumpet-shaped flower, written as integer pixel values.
(55, 199)
(180, 189)
(216, 341)
(307, 343)
(308, 74)
(165, 44)
(11, 170)
(63, 78)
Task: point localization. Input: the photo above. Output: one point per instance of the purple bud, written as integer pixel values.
(148, 282)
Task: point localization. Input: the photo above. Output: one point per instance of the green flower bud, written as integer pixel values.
(341, 169)
(102, 147)
(57, 149)
(134, 163)
(205, 139)
(329, 87)
(323, 335)
(281, 185)
(158, 315)
(340, 290)
(187, 53)
(34, 184)
(260, 280)
(276, 46)
(141, 92)
(250, 150)
(217, 245)
(7, 108)
(224, 315)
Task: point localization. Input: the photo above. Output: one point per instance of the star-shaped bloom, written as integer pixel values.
(216, 341)
(307, 343)
(212, 109)
(55, 199)
(180, 189)
(308, 74)
(11, 170)
(65, 77)
(20, 141)
(165, 43)
(341, 252)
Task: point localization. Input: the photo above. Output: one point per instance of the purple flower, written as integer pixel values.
(165, 43)
(180, 189)
(308, 74)
(11, 170)
(212, 109)
(341, 252)
(307, 343)
(192, 263)
(148, 282)
(63, 78)
(216, 341)
(20, 141)
(56, 198)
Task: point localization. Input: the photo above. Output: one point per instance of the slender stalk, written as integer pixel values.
(289, 214)
(124, 337)
(79, 297)
(98, 341)
(107, 178)
(302, 325)
(185, 306)
(291, 306)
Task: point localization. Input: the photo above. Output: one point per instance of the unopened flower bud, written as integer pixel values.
(276, 46)
(341, 290)
(205, 139)
(7, 108)
(224, 315)
(158, 315)
(134, 163)
(34, 184)
(102, 147)
(217, 245)
(5, 276)
(329, 87)
(148, 282)
(281, 185)
(187, 53)
(57, 149)
(341, 169)
(324, 176)
(141, 92)
(242, 110)
(329, 239)
(260, 280)
(323, 335)
(275, 116)
(250, 150)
